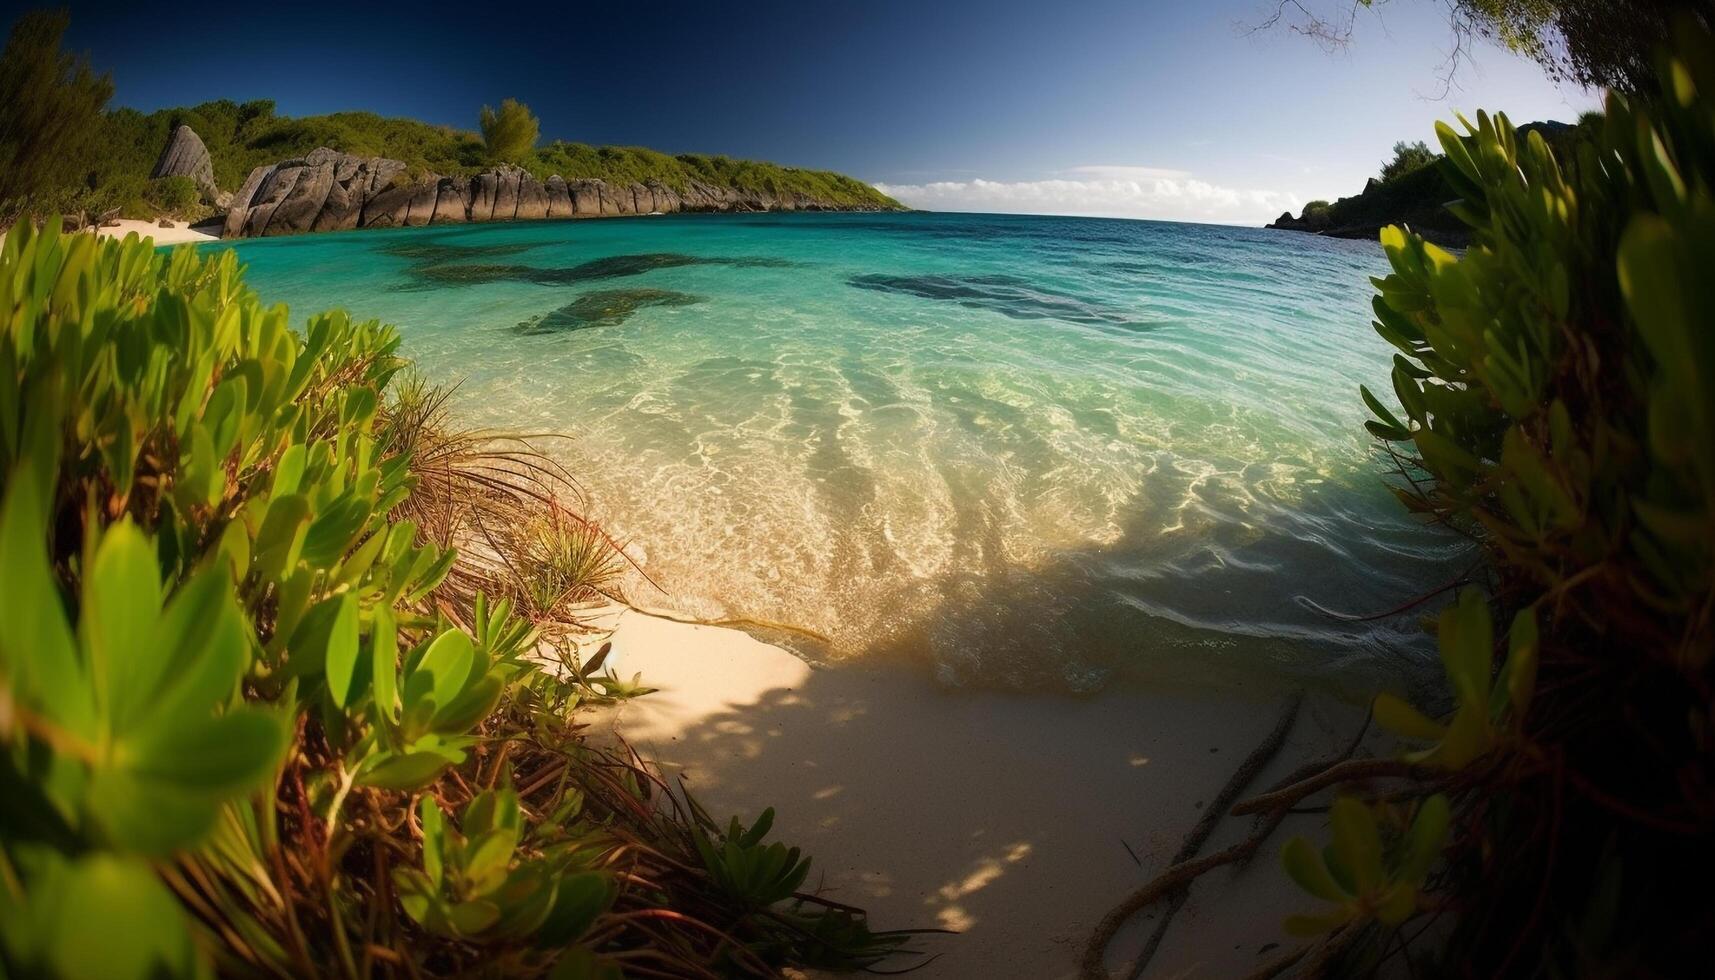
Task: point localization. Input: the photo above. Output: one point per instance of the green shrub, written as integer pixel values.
(177, 196)
(1557, 392)
(1407, 157)
(509, 134)
(232, 670)
(50, 114)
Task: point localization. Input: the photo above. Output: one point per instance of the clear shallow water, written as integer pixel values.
(1031, 451)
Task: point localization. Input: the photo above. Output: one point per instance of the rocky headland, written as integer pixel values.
(328, 190)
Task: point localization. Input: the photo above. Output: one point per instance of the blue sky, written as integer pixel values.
(1134, 109)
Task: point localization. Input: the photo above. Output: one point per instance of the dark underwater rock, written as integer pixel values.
(1010, 296)
(603, 308)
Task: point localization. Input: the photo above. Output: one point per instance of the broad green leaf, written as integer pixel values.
(434, 837)
(115, 920)
(36, 647)
(1394, 714)
(1467, 648)
(443, 670)
(472, 917)
(201, 650)
(1303, 863)
(233, 753)
(1423, 842)
(121, 601)
(579, 900)
(384, 663)
(1358, 842)
(280, 537)
(345, 680)
(407, 770)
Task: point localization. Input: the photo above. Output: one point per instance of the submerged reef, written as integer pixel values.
(602, 308)
(1008, 295)
(437, 275)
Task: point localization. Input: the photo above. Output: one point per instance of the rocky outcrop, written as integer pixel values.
(329, 191)
(186, 156)
(1417, 200)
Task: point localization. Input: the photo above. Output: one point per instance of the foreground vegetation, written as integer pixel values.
(1556, 392)
(286, 684)
(60, 152)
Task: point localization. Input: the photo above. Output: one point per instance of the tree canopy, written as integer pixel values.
(50, 111)
(510, 134)
(1602, 43)
(1407, 157)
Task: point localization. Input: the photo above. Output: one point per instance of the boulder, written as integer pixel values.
(484, 187)
(186, 156)
(559, 197)
(586, 197)
(421, 209)
(507, 181)
(298, 210)
(532, 200)
(388, 207)
(452, 202)
(276, 186)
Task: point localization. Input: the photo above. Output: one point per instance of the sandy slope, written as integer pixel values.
(176, 235)
(1000, 816)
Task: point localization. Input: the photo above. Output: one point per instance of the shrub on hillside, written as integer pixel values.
(177, 196)
(1407, 157)
(509, 134)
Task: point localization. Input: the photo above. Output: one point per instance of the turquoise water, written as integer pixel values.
(1030, 451)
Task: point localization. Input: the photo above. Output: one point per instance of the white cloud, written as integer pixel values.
(1109, 172)
(1103, 191)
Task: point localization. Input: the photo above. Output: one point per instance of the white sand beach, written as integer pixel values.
(995, 815)
(181, 232)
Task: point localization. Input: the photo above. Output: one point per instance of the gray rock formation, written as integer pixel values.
(186, 156)
(329, 191)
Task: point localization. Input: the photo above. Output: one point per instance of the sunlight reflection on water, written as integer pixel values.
(1029, 450)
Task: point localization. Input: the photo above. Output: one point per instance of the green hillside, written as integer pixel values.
(241, 136)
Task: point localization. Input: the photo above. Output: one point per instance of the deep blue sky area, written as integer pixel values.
(1140, 108)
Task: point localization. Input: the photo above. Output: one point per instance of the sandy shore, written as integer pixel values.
(999, 816)
(179, 234)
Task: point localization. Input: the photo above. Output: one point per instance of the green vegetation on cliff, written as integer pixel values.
(242, 136)
(1413, 190)
(97, 161)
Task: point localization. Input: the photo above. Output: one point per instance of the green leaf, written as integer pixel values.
(469, 707)
(413, 768)
(442, 672)
(1466, 637)
(434, 838)
(1358, 842)
(579, 900)
(345, 680)
(121, 601)
(384, 661)
(280, 537)
(1303, 863)
(232, 753)
(472, 917)
(1423, 842)
(1394, 714)
(113, 919)
(36, 647)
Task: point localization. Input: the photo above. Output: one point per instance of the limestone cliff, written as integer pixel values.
(328, 190)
